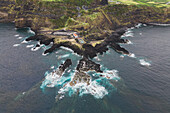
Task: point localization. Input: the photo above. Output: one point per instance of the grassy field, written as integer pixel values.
(157, 3)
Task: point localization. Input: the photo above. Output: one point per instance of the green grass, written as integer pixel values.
(156, 3)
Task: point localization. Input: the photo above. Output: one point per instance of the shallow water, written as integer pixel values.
(144, 85)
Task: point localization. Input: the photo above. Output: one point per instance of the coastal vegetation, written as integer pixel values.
(94, 21)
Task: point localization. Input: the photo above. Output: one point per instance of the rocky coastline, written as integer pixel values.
(102, 28)
(108, 34)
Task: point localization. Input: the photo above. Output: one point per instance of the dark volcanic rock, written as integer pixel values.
(31, 38)
(66, 64)
(75, 48)
(46, 41)
(121, 31)
(37, 37)
(37, 45)
(100, 48)
(89, 51)
(119, 49)
(43, 39)
(54, 47)
(85, 65)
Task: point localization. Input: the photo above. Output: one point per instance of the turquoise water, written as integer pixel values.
(141, 82)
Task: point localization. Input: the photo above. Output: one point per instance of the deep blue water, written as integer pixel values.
(141, 89)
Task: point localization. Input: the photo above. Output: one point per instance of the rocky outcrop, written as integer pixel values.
(75, 48)
(65, 65)
(42, 39)
(85, 65)
(105, 24)
(119, 49)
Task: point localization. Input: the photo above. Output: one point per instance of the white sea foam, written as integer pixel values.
(138, 25)
(30, 31)
(69, 71)
(129, 42)
(122, 56)
(76, 54)
(132, 28)
(108, 52)
(157, 24)
(24, 42)
(29, 46)
(52, 79)
(61, 97)
(132, 55)
(44, 54)
(144, 62)
(128, 31)
(66, 48)
(35, 48)
(19, 37)
(128, 35)
(144, 25)
(15, 45)
(97, 58)
(23, 93)
(108, 74)
(94, 89)
(64, 56)
(52, 67)
(16, 35)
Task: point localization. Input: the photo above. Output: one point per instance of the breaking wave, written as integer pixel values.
(144, 62)
(66, 48)
(35, 48)
(15, 45)
(29, 46)
(63, 56)
(128, 33)
(98, 86)
(19, 38)
(16, 35)
(132, 55)
(24, 42)
(31, 31)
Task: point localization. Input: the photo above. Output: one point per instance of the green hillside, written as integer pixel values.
(157, 3)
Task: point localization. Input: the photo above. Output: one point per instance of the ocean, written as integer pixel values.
(140, 82)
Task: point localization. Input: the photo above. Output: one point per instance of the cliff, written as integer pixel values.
(97, 23)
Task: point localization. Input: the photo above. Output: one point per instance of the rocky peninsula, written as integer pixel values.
(87, 27)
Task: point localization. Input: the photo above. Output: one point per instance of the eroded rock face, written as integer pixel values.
(62, 68)
(119, 49)
(85, 65)
(89, 51)
(65, 44)
(80, 77)
(65, 65)
(43, 39)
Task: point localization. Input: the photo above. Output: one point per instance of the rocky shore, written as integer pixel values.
(103, 27)
(99, 27)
